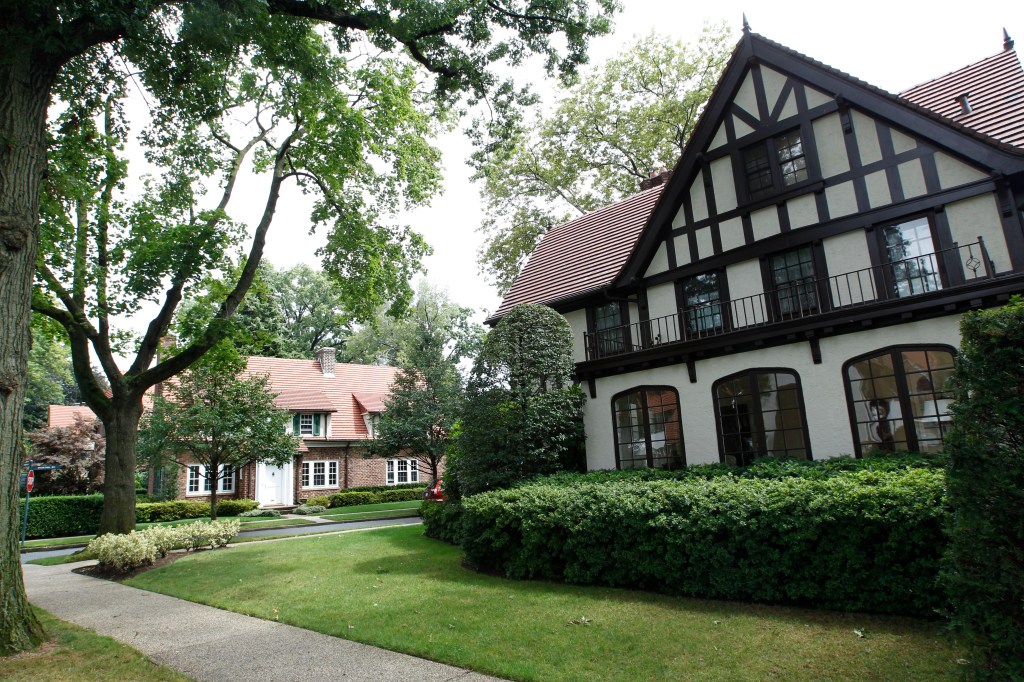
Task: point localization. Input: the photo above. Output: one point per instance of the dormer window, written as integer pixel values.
(306, 424)
(776, 163)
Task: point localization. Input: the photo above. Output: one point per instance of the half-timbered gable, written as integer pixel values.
(796, 287)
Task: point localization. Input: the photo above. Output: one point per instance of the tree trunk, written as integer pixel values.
(24, 96)
(214, 479)
(119, 485)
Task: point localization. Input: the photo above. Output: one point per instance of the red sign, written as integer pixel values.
(29, 480)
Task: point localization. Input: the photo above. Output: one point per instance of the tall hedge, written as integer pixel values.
(863, 541)
(54, 516)
(985, 564)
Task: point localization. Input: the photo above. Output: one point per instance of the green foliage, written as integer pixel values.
(320, 500)
(62, 515)
(426, 396)
(862, 541)
(520, 417)
(124, 552)
(51, 380)
(171, 510)
(376, 495)
(621, 123)
(258, 513)
(304, 509)
(78, 449)
(984, 569)
(442, 521)
(235, 506)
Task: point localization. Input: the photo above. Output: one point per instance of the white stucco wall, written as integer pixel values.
(745, 280)
(979, 216)
(824, 393)
(577, 320)
(661, 300)
(846, 255)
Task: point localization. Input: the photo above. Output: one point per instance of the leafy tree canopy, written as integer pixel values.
(616, 127)
(78, 449)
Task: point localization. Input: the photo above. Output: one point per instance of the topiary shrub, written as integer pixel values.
(863, 541)
(984, 567)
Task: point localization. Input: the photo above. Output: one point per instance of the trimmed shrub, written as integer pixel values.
(260, 512)
(984, 567)
(319, 501)
(164, 538)
(310, 509)
(381, 488)
(863, 541)
(442, 521)
(348, 499)
(171, 510)
(211, 534)
(234, 507)
(122, 553)
(57, 516)
(400, 495)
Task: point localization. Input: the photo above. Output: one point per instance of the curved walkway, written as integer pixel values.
(206, 643)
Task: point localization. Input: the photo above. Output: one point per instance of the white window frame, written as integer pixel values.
(199, 484)
(396, 467)
(305, 424)
(328, 472)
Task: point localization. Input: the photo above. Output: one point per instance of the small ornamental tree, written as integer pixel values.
(214, 418)
(984, 573)
(522, 416)
(78, 450)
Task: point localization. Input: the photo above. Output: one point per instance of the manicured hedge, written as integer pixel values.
(54, 516)
(861, 541)
(354, 496)
(442, 520)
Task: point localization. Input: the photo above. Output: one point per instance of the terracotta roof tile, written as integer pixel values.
(371, 402)
(581, 255)
(64, 415)
(995, 90)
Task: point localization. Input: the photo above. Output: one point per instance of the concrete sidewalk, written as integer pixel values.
(210, 644)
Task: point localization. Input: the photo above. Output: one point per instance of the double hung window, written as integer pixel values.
(760, 413)
(610, 334)
(402, 471)
(320, 474)
(648, 429)
(199, 482)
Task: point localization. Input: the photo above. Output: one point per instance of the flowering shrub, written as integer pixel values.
(208, 534)
(164, 538)
(123, 553)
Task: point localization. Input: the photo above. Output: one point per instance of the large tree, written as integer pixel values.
(181, 50)
(619, 125)
(426, 397)
(214, 417)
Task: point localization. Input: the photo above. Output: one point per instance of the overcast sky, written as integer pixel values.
(893, 45)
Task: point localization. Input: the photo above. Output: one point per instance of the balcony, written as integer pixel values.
(948, 269)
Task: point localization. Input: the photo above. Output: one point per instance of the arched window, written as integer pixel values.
(648, 430)
(760, 413)
(899, 399)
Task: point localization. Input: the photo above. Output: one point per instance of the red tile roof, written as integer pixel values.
(995, 92)
(581, 255)
(301, 386)
(64, 415)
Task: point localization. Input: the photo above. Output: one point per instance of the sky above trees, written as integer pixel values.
(890, 45)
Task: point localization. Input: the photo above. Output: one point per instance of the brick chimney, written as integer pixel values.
(326, 358)
(659, 177)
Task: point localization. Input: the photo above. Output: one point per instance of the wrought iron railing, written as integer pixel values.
(946, 269)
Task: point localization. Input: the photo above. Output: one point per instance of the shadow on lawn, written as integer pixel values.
(434, 560)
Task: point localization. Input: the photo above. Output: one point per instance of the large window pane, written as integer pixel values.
(648, 431)
(609, 330)
(702, 309)
(912, 262)
(760, 413)
(900, 400)
(793, 279)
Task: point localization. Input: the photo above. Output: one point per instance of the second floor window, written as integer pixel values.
(910, 252)
(306, 424)
(793, 276)
(702, 309)
(771, 165)
(610, 334)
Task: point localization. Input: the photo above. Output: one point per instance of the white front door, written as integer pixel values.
(273, 484)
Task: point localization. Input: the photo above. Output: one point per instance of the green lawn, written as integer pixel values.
(78, 655)
(396, 589)
(341, 512)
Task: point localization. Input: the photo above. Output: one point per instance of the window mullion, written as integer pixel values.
(906, 407)
(755, 392)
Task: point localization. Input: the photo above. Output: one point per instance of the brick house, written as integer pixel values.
(334, 407)
(794, 285)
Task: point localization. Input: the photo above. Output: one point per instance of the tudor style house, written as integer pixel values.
(794, 285)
